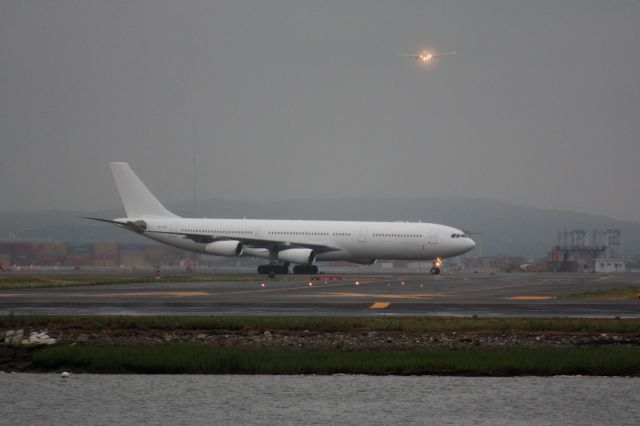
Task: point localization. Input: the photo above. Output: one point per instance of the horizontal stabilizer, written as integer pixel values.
(138, 226)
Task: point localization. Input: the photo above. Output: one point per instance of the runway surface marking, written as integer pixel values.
(30, 294)
(122, 294)
(386, 296)
(156, 293)
(531, 298)
(603, 278)
(485, 290)
(380, 305)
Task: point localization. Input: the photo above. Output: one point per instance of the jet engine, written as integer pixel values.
(303, 256)
(224, 248)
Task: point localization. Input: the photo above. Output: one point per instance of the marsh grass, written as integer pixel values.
(191, 359)
(330, 324)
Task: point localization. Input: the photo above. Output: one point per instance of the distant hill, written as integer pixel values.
(507, 229)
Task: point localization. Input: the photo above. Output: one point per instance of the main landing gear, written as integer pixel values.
(272, 269)
(437, 264)
(305, 269)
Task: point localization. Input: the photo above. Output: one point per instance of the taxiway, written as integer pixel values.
(534, 295)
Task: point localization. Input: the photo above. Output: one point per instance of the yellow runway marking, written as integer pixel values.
(531, 298)
(386, 296)
(380, 305)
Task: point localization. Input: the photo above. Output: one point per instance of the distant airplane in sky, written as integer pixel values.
(426, 56)
(283, 242)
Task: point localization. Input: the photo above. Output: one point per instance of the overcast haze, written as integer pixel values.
(309, 99)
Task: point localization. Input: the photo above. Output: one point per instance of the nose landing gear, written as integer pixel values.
(437, 264)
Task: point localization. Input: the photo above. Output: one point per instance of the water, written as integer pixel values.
(43, 399)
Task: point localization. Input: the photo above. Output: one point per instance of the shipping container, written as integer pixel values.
(22, 260)
(78, 259)
(5, 259)
(22, 249)
(133, 261)
(79, 248)
(154, 249)
(61, 249)
(48, 260)
(106, 260)
(105, 248)
(45, 249)
(131, 248)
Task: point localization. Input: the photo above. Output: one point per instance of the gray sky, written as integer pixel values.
(308, 99)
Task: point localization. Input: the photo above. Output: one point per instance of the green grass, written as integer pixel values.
(329, 324)
(189, 359)
(13, 281)
(625, 293)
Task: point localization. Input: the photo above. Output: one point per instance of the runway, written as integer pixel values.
(530, 295)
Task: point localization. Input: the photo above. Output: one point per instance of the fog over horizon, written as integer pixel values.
(282, 100)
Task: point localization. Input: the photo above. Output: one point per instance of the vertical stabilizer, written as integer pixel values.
(136, 198)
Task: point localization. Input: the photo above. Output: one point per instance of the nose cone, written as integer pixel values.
(470, 244)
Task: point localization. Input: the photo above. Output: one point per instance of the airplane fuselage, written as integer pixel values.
(344, 240)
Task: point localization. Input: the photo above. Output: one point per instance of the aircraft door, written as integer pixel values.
(362, 236)
(433, 236)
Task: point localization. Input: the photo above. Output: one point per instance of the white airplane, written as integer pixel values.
(426, 56)
(284, 242)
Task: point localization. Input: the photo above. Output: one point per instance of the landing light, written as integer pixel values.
(357, 282)
(310, 284)
(263, 285)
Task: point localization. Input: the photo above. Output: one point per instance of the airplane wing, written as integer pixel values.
(254, 242)
(268, 244)
(443, 54)
(141, 227)
(411, 55)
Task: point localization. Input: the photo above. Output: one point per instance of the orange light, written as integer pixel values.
(425, 56)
